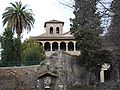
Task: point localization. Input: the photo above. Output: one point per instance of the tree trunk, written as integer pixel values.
(18, 51)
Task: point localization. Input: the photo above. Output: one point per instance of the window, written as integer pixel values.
(57, 30)
(51, 30)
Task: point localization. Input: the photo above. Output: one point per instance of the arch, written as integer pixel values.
(40, 43)
(47, 46)
(51, 30)
(70, 46)
(108, 58)
(54, 46)
(63, 46)
(57, 30)
(107, 73)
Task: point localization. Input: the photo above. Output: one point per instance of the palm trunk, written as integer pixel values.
(18, 51)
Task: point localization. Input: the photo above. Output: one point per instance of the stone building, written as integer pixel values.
(54, 39)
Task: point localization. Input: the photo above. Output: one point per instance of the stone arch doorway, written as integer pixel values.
(70, 46)
(108, 68)
(47, 46)
(63, 46)
(105, 73)
(54, 46)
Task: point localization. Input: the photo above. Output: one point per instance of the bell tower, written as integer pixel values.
(54, 27)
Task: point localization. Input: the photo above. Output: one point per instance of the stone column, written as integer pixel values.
(66, 46)
(74, 46)
(51, 46)
(102, 76)
(43, 44)
(58, 45)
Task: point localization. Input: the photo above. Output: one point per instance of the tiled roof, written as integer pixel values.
(54, 37)
(44, 36)
(53, 21)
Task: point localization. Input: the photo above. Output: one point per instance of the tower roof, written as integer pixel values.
(53, 21)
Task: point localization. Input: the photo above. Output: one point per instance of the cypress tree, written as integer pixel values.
(114, 29)
(8, 48)
(86, 29)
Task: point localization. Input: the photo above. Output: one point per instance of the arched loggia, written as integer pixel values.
(70, 46)
(63, 46)
(54, 46)
(47, 46)
(40, 44)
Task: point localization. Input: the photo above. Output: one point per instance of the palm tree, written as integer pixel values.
(18, 17)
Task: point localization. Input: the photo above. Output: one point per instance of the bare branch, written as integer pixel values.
(104, 6)
(70, 5)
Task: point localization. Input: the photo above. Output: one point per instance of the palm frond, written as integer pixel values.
(19, 16)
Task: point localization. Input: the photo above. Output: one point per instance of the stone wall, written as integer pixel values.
(71, 73)
(107, 86)
(68, 68)
(18, 78)
(82, 87)
(98, 86)
(25, 77)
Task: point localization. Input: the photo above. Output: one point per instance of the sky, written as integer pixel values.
(44, 10)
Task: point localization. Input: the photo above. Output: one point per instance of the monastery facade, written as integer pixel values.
(54, 39)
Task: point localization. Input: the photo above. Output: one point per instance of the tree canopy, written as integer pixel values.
(32, 52)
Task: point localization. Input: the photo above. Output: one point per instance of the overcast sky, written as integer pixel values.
(44, 10)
